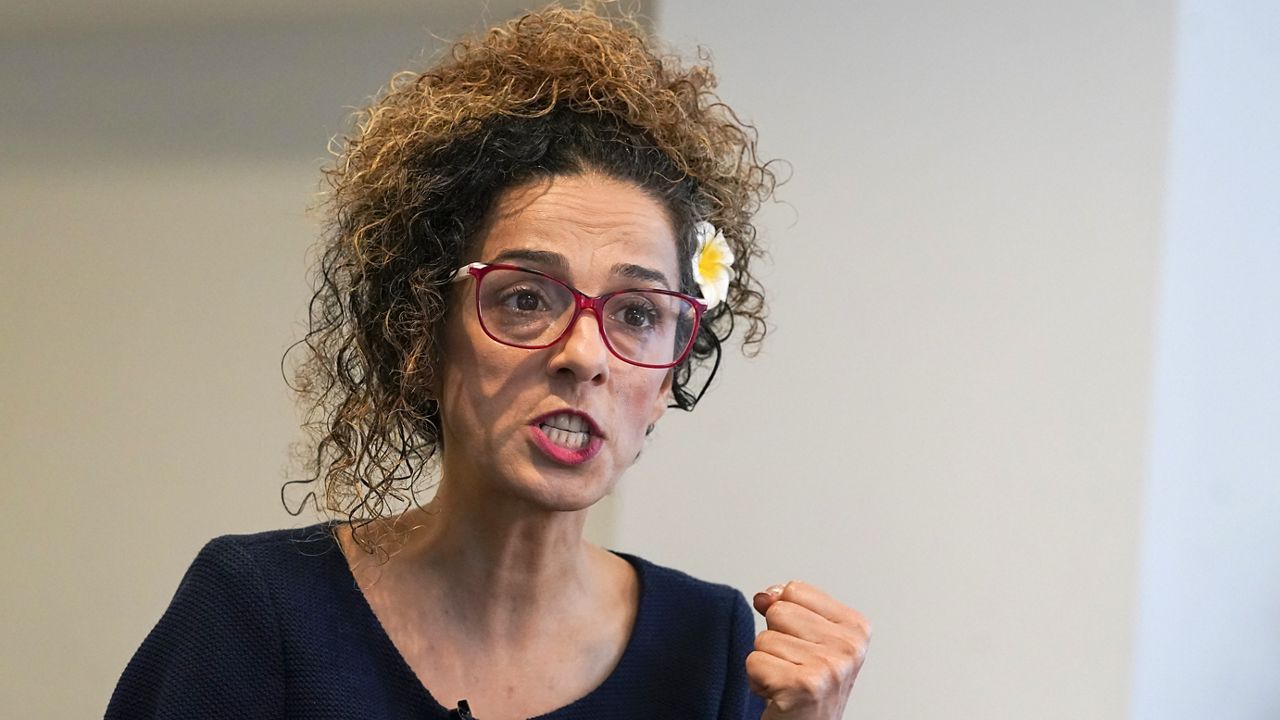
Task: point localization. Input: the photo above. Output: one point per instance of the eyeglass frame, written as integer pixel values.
(582, 301)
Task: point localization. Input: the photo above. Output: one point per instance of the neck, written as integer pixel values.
(502, 566)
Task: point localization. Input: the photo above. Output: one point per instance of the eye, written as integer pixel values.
(524, 298)
(638, 314)
(639, 317)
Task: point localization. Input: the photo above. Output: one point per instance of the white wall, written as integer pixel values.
(947, 428)
(1208, 632)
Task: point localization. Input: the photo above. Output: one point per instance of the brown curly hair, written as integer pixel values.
(554, 92)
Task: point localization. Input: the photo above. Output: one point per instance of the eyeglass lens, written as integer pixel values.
(528, 310)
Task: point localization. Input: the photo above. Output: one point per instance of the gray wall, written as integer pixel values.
(955, 425)
(155, 176)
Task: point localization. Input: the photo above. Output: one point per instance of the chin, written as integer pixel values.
(566, 492)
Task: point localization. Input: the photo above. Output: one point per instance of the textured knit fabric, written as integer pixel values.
(273, 625)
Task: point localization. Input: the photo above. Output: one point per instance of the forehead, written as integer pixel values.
(593, 222)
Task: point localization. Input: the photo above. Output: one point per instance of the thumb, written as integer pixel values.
(763, 600)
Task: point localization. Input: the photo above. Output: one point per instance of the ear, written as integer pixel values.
(663, 397)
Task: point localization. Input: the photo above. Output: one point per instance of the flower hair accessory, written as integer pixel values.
(712, 263)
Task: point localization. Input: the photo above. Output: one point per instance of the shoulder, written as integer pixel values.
(274, 546)
(217, 651)
(240, 571)
(669, 579)
(689, 645)
(681, 599)
(263, 573)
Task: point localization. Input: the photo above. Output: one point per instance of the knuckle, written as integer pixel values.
(860, 653)
(788, 591)
(785, 702)
(766, 637)
(861, 622)
(815, 684)
(778, 610)
(863, 638)
(846, 647)
(833, 670)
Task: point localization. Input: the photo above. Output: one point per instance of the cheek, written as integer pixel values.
(640, 398)
(636, 405)
(471, 370)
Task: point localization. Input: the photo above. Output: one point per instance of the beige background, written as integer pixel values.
(965, 422)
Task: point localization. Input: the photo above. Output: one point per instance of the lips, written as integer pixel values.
(568, 437)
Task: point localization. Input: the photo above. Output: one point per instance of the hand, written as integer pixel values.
(804, 665)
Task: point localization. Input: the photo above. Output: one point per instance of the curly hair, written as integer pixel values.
(554, 92)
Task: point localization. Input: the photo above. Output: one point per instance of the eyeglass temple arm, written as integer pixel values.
(461, 273)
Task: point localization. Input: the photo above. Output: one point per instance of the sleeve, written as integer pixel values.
(216, 651)
(739, 703)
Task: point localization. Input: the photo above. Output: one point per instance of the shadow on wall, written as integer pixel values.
(251, 81)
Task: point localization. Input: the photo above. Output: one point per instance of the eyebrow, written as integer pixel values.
(640, 272)
(539, 257)
(556, 261)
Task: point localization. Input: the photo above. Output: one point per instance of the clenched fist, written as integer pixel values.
(805, 663)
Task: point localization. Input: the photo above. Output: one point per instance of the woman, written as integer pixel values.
(533, 248)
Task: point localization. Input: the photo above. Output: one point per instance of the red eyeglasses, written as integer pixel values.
(528, 309)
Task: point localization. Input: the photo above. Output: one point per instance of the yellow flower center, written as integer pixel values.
(710, 261)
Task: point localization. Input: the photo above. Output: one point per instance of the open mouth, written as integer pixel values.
(568, 436)
(567, 431)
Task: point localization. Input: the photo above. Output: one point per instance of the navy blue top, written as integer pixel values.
(273, 625)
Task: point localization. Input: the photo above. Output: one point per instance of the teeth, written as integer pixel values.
(567, 422)
(565, 438)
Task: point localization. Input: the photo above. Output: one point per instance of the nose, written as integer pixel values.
(582, 353)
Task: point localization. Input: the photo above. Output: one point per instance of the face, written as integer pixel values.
(512, 418)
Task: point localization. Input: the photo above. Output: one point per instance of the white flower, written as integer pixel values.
(712, 263)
